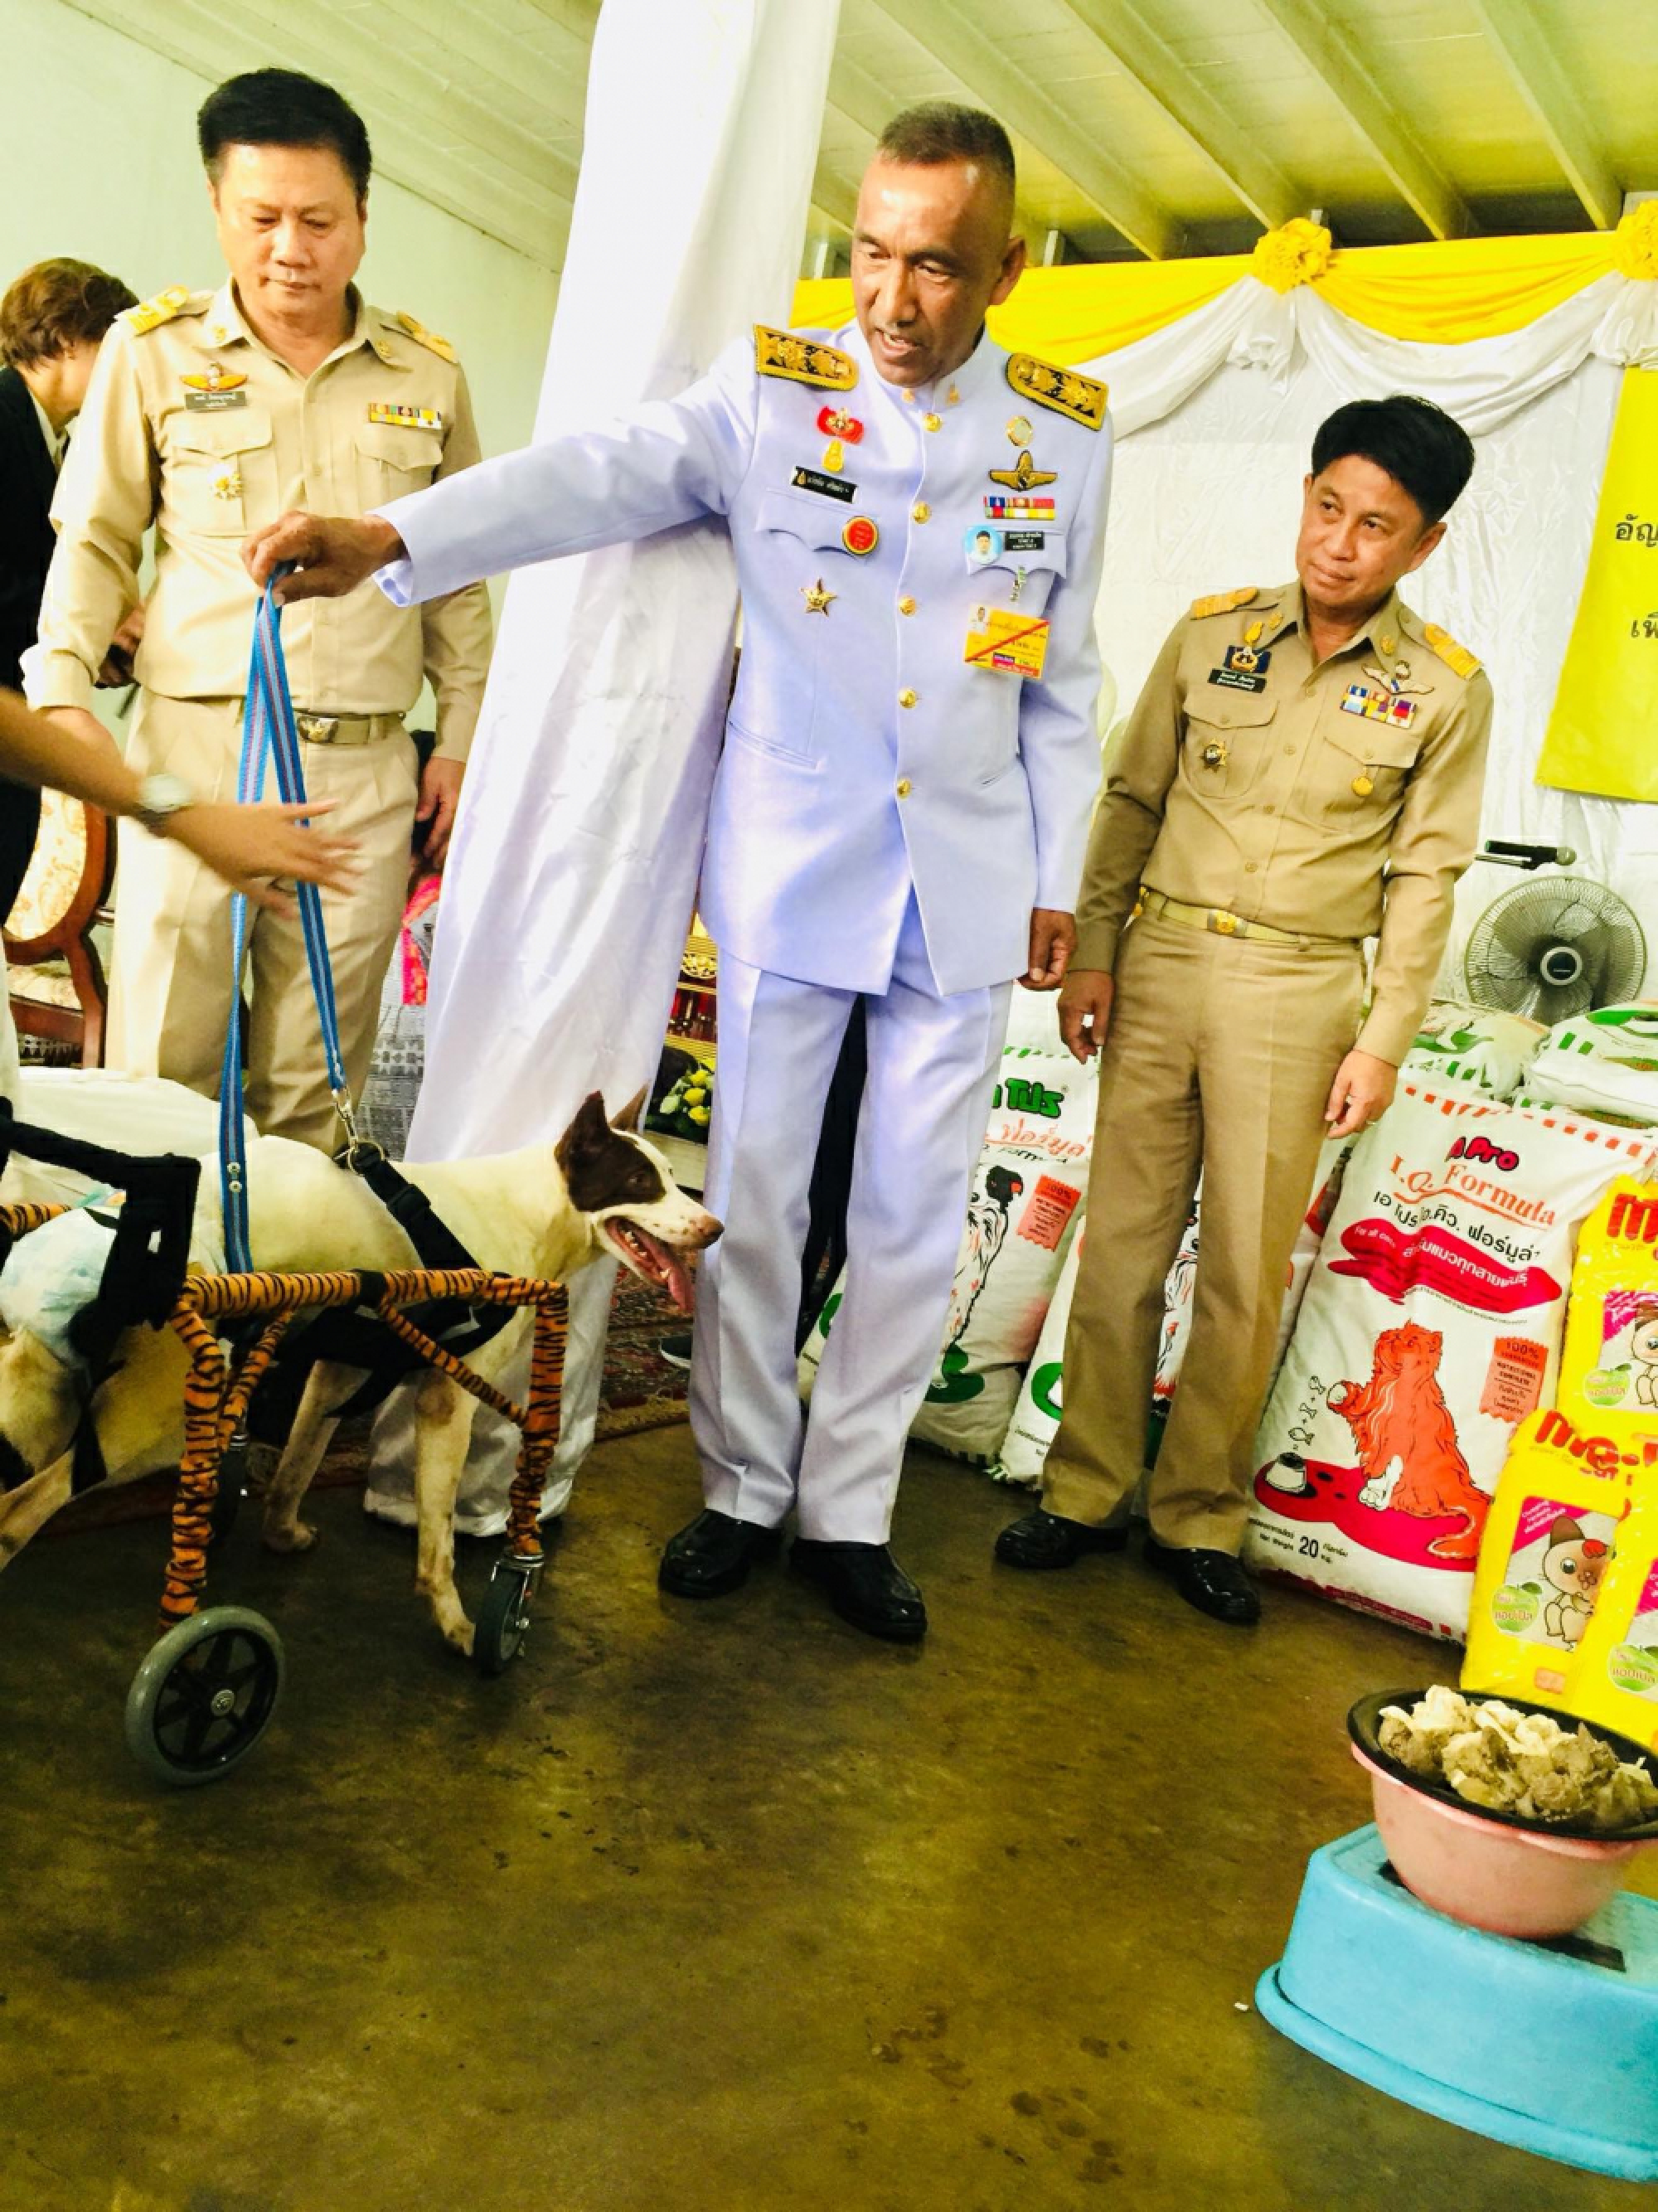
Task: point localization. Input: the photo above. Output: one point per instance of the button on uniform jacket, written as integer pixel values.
(863, 753)
(192, 425)
(1336, 800)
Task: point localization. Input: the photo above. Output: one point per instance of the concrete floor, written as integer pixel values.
(721, 1906)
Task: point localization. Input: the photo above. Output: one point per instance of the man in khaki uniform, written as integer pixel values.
(1302, 771)
(210, 414)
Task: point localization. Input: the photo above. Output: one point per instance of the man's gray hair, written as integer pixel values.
(939, 130)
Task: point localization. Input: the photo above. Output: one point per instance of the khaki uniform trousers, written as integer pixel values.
(170, 988)
(1220, 1058)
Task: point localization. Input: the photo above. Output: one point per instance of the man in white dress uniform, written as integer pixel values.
(900, 813)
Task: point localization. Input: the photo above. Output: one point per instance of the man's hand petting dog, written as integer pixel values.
(335, 554)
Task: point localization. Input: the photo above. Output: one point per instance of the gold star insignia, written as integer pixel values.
(817, 599)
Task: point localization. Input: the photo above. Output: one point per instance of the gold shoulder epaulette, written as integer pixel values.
(150, 314)
(805, 361)
(1223, 602)
(1457, 658)
(1061, 389)
(429, 339)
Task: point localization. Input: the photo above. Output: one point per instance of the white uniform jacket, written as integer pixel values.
(864, 752)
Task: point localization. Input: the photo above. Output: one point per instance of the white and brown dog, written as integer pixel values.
(543, 1212)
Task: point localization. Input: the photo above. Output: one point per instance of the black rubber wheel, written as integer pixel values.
(205, 1696)
(503, 1617)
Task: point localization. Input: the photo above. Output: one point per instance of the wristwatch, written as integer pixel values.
(160, 798)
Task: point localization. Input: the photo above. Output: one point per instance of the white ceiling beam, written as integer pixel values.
(1531, 60)
(984, 71)
(1232, 151)
(830, 197)
(1334, 58)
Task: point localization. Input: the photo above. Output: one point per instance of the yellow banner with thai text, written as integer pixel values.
(1600, 735)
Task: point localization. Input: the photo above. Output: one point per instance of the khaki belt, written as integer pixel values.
(1222, 923)
(346, 729)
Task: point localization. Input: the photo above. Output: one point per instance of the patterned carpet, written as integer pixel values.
(640, 1390)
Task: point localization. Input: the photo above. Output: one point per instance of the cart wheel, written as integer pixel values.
(503, 1617)
(232, 1488)
(203, 1696)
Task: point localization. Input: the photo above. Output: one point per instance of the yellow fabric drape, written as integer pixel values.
(1600, 733)
(1440, 293)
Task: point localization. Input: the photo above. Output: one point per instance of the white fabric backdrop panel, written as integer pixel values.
(1207, 496)
(574, 874)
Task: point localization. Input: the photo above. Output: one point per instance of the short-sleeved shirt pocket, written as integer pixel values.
(393, 461)
(1227, 736)
(218, 473)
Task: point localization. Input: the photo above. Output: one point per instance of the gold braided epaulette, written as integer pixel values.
(429, 339)
(804, 360)
(150, 314)
(1223, 603)
(1457, 658)
(1080, 397)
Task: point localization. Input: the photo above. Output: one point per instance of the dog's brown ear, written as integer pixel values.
(588, 1132)
(633, 1113)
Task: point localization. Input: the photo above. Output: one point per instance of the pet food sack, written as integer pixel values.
(1467, 1047)
(1604, 1062)
(1430, 1327)
(398, 1067)
(1036, 1421)
(1023, 1211)
(1615, 1681)
(1609, 1370)
(1544, 1555)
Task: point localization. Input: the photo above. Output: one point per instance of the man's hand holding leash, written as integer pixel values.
(334, 554)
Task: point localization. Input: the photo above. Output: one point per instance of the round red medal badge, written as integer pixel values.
(861, 535)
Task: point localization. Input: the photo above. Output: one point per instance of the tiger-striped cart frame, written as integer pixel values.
(217, 1392)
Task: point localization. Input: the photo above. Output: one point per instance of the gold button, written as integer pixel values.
(1362, 785)
(909, 396)
(1387, 643)
(933, 422)
(1248, 868)
(920, 512)
(907, 605)
(903, 787)
(1289, 749)
(906, 698)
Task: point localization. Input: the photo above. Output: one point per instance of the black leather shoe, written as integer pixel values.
(713, 1554)
(1212, 1581)
(866, 1586)
(1046, 1539)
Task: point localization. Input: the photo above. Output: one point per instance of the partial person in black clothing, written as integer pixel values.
(53, 321)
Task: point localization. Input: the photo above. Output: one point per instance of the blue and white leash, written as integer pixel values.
(268, 732)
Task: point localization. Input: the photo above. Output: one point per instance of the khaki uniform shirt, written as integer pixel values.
(1261, 790)
(192, 425)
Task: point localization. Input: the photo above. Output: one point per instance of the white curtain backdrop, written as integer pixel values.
(1215, 417)
(571, 884)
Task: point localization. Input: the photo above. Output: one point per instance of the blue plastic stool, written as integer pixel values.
(1552, 2047)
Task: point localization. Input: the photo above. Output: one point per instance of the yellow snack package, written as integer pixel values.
(1615, 1681)
(1609, 1367)
(1544, 1556)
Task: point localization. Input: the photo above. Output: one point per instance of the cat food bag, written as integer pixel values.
(1615, 1680)
(1023, 1211)
(1544, 1559)
(1465, 1048)
(1430, 1329)
(1609, 1370)
(1604, 1062)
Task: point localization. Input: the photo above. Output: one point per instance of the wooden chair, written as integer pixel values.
(55, 976)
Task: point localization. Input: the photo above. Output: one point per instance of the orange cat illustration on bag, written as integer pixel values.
(1406, 1439)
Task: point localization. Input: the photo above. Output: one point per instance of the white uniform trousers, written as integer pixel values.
(932, 1065)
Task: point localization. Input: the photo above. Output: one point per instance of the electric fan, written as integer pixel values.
(1554, 947)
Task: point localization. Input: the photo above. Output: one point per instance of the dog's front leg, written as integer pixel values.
(443, 1429)
(329, 1386)
(32, 1503)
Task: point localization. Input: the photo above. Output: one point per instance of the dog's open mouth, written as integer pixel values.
(650, 1258)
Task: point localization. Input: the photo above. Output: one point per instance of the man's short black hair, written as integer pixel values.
(280, 108)
(939, 130)
(1419, 445)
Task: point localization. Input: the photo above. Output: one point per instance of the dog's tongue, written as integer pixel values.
(680, 1280)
